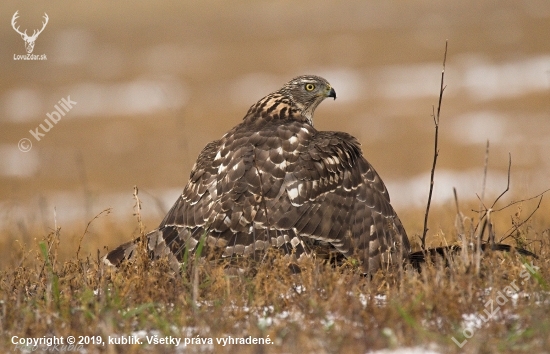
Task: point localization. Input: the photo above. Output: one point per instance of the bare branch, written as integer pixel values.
(523, 200)
(485, 165)
(161, 208)
(461, 230)
(456, 201)
(482, 208)
(436, 149)
(508, 185)
(107, 212)
(137, 210)
(484, 218)
(516, 227)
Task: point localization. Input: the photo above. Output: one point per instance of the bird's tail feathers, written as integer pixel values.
(163, 242)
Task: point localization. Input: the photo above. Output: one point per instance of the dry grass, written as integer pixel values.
(322, 309)
(52, 283)
(474, 304)
(495, 302)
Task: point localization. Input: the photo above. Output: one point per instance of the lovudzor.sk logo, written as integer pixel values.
(29, 40)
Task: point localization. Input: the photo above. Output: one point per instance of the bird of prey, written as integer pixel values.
(276, 181)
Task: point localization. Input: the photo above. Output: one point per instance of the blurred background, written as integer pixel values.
(154, 82)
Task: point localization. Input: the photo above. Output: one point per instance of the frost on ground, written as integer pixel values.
(404, 350)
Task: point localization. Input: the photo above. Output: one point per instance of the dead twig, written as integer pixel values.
(485, 166)
(436, 149)
(507, 185)
(459, 225)
(517, 226)
(161, 208)
(107, 212)
(523, 200)
(485, 213)
(486, 210)
(137, 210)
(143, 243)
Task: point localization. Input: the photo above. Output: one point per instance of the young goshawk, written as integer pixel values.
(276, 181)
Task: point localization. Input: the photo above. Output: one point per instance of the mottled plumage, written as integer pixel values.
(275, 181)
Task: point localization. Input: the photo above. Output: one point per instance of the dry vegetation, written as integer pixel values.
(497, 302)
(321, 309)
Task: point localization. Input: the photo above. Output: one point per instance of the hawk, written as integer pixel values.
(276, 181)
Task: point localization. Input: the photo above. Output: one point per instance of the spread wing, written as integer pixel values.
(173, 234)
(335, 195)
(274, 180)
(228, 191)
(279, 185)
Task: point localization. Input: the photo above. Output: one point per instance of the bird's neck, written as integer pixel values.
(276, 107)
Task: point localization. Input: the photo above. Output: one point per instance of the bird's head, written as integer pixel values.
(307, 92)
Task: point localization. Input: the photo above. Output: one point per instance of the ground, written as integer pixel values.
(51, 286)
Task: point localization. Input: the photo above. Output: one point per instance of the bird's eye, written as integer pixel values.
(310, 87)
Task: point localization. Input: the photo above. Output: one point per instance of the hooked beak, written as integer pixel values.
(331, 93)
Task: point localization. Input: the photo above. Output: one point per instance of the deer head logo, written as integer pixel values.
(29, 41)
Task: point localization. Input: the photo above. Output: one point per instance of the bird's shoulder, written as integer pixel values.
(332, 160)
